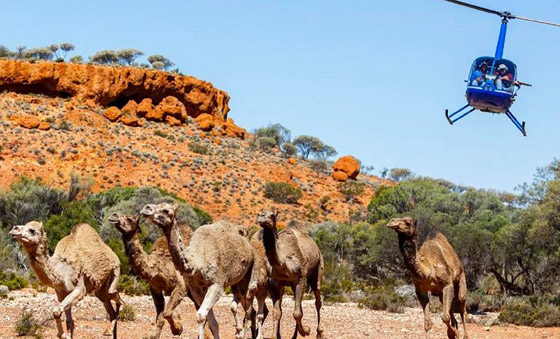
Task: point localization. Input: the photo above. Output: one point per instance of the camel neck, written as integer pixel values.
(40, 262)
(177, 248)
(270, 242)
(408, 247)
(135, 252)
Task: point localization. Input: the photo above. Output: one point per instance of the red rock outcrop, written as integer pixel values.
(205, 122)
(27, 121)
(345, 168)
(112, 86)
(112, 113)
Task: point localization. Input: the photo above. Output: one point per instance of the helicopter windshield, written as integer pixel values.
(502, 77)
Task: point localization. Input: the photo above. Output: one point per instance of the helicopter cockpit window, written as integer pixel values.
(502, 77)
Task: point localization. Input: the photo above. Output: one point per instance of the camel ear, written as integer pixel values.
(276, 213)
(174, 208)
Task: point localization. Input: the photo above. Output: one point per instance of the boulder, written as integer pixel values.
(144, 108)
(340, 176)
(171, 106)
(205, 122)
(112, 113)
(131, 121)
(130, 107)
(44, 126)
(229, 128)
(347, 165)
(172, 121)
(27, 121)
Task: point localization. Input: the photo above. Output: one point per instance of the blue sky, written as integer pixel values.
(371, 78)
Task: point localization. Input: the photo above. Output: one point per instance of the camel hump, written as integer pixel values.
(297, 226)
(83, 229)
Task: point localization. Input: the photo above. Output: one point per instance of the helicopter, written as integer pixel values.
(493, 85)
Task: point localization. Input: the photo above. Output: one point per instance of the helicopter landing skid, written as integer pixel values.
(520, 126)
(450, 117)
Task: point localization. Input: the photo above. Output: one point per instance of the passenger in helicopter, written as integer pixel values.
(479, 76)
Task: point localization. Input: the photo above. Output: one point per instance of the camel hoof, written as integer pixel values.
(305, 331)
(320, 335)
(177, 329)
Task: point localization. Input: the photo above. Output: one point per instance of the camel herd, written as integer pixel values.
(203, 263)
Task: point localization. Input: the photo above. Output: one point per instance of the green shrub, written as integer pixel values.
(13, 281)
(28, 325)
(127, 313)
(351, 189)
(282, 192)
(383, 298)
(160, 133)
(205, 218)
(132, 286)
(198, 148)
(266, 144)
(527, 312)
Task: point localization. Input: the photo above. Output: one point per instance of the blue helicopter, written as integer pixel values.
(493, 84)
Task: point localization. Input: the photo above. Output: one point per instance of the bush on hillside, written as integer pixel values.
(282, 192)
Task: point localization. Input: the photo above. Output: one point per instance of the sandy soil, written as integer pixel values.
(339, 320)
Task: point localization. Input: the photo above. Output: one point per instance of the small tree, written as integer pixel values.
(54, 48)
(104, 57)
(77, 59)
(5, 53)
(20, 52)
(278, 132)
(158, 65)
(306, 144)
(128, 55)
(266, 143)
(158, 58)
(66, 47)
(282, 192)
(325, 152)
(400, 174)
(289, 149)
(44, 53)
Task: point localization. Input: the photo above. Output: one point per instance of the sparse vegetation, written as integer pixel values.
(127, 313)
(28, 325)
(282, 192)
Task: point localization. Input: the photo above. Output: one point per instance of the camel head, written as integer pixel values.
(29, 235)
(126, 224)
(267, 218)
(163, 215)
(406, 225)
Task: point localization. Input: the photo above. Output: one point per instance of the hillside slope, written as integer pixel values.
(44, 135)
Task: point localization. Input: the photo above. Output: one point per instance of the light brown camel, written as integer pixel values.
(156, 269)
(435, 269)
(217, 256)
(81, 264)
(295, 261)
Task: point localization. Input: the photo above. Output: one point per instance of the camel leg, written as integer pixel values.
(234, 308)
(66, 305)
(315, 282)
(298, 312)
(69, 322)
(159, 302)
(447, 300)
(276, 294)
(113, 294)
(462, 301)
(261, 315)
(109, 330)
(213, 294)
(60, 330)
(424, 299)
(197, 298)
(177, 296)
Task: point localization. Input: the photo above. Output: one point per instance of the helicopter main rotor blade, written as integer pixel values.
(491, 11)
(533, 20)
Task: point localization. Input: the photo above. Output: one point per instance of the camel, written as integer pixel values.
(155, 268)
(81, 264)
(435, 269)
(217, 256)
(295, 261)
